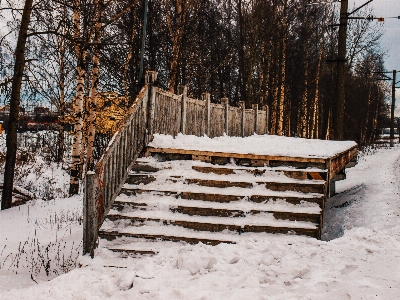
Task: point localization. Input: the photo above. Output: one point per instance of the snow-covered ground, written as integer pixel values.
(359, 257)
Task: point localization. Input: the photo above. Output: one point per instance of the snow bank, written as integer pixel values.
(255, 144)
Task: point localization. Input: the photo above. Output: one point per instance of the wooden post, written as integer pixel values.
(243, 107)
(206, 97)
(255, 109)
(182, 90)
(90, 214)
(225, 103)
(266, 119)
(150, 78)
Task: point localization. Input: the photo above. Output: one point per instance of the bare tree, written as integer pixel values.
(11, 140)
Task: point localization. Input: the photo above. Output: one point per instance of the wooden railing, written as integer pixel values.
(103, 185)
(157, 111)
(174, 114)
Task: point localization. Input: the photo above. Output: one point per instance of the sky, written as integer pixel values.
(391, 37)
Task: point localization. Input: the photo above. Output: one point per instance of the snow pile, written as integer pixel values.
(255, 144)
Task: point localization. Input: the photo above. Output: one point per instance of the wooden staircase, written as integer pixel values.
(180, 195)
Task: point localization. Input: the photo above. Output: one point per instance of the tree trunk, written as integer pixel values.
(11, 140)
(78, 107)
(61, 110)
(93, 93)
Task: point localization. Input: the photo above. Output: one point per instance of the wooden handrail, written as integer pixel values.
(103, 185)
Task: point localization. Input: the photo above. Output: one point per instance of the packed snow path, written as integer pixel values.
(362, 263)
(370, 198)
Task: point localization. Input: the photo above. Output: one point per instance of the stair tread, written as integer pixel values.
(151, 161)
(179, 187)
(138, 245)
(175, 231)
(161, 231)
(183, 169)
(243, 205)
(263, 219)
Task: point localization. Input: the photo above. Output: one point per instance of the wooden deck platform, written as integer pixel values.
(333, 165)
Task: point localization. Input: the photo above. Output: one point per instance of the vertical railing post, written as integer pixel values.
(90, 214)
(266, 119)
(151, 77)
(243, 111)
(207, 98)
(225, 103)
(255, 110)
(182, 90)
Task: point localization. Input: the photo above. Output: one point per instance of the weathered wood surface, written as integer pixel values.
(261, 122)
(339, 161)
(195, 117)
(217, 122)
(249, 122)
(167, 117)
(178, 113)
(236, 155)
(234, 121)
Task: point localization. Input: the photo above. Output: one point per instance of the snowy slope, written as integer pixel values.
(360, 261)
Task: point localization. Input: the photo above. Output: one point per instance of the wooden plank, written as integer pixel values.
(225, 103)
(243, 118)
(183, 92)
(150, 150)
(255, 109)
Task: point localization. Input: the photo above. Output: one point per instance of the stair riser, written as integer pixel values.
(221, 227)
(140, 178)
(225, 198)
(302, 175)
(219, 183)
(209, 212)
(225, 213)
(223, 160)
(275, 186)
(112, 236)
(303, 188)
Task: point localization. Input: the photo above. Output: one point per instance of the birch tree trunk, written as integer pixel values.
(94, 93)
(78, 105)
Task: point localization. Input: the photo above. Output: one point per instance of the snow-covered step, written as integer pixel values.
(149, 165)
(138, 246)
(236, 217)
(302, 186)
(227, 195)
(304, 174)
(248, 223)
(153, 201)
(166, 233)
(247, 159)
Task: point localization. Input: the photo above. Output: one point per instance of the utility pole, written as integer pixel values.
(383, 76)
(392, 109)
(338, 121)
(146, 5)
(338, 116)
